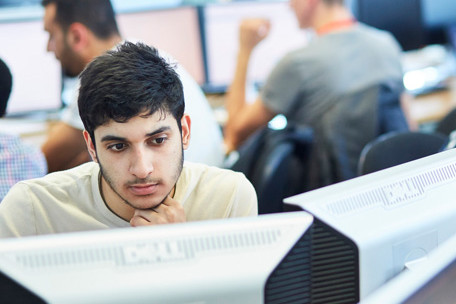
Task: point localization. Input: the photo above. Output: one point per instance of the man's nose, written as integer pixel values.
(141, 164)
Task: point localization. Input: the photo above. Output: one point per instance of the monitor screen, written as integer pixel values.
(414, 23)
(439, 13)
(19, 2)
(439, 19)
(395, 216)
(403, 19)
(174, 30)
(36, 72)
(220, 27)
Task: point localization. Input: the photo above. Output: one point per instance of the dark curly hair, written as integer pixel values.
(96, 15)
(126, 82)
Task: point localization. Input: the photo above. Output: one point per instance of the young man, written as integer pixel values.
(309, 84)
(80, 30)
(18, 161)
(132, 105)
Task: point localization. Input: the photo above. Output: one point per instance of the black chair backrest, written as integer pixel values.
(275, 162)
(396, 148)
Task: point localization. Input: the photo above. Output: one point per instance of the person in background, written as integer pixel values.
(344, 56)
(80, 30)
(18, 161)
(132, 104)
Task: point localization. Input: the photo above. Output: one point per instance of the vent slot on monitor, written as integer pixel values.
(395, 193)
(321, 268)
(146, 252)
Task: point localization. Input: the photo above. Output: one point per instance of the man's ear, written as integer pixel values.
(78, 36)
(186, 124)
(90, 146)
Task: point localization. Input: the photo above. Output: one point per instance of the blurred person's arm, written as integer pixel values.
(64, 148)
(244, 118)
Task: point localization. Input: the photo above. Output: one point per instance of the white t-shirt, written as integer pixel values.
(70, 200)
(206, 141)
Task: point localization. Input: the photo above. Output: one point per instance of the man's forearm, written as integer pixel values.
(235, 98)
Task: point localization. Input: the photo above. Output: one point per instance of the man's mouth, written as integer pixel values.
(143, 189)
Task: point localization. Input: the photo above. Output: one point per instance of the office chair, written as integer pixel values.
(395, 148)
(275, 162)
(447, 124)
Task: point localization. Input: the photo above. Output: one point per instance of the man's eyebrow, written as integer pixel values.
(112, 138)
(159, 130)
(118, 138)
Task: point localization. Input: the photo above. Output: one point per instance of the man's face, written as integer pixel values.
(140, 160)
(58, 43)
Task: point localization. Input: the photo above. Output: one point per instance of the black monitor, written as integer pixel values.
(439, 18)
(414, 23)
(438, 13)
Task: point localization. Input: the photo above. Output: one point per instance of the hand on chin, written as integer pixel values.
(169, 211)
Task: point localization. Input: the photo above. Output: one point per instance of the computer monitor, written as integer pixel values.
(261, 259)
(438, 13)
(414, 23)
(439, 17)
(36, 72)
(173, 30)
(432, 281)
(220, 28)
(9, 3)
(403, 19)
(394, 217)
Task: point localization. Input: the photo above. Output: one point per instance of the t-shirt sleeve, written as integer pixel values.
(245, 202)
(282, 86)
(16, 213)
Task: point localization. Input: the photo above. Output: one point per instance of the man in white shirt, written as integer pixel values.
(76, 37)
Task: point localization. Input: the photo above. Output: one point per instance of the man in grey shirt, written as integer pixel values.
(332, 85)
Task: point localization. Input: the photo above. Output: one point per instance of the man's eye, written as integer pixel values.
(117, 147)
(159, 140)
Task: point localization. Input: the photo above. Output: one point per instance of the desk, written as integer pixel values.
(432, 107)
(217, 103)
(31, 131)
(423, 109)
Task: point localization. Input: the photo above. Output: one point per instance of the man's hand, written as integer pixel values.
(170, 211)
(253, 31)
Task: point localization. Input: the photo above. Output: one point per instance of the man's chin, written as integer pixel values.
(146, 204)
